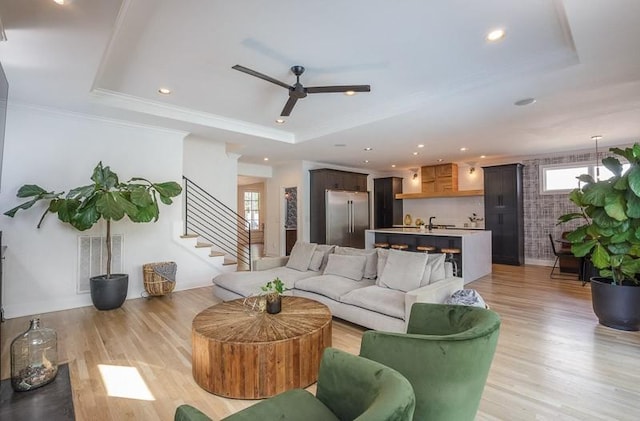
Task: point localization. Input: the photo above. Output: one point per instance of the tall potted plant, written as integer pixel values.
(610, 238)
(109, 199)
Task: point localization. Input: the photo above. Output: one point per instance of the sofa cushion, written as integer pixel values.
(382, 260)
(249, 283)
(371, 267)
(403, 270)
(331, 286)
(316, 261)
(351, 267)
(381, 300)
(320, 257)
(435, 269)
(301, 255)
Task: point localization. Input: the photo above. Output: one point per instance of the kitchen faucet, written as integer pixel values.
(431, 222)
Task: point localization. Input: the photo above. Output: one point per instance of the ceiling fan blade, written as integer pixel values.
(286, 111)
(260, 75)
(344, 88)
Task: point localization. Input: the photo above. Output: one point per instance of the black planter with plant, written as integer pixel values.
(109, 199)
(273, 291)
(610, 238)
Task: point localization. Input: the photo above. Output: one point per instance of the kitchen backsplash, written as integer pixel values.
(448, 211)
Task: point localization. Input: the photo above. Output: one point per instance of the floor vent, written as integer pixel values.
(92, 258)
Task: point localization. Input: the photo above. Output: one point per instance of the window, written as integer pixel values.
(555, 179)
(252, 209)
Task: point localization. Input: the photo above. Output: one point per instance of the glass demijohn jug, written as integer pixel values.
(34, 357)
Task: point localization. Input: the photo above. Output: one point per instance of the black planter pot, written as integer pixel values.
(616, 306)
(107, 294)
(274, 306)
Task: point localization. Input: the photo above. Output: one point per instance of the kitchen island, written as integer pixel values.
(473, 262)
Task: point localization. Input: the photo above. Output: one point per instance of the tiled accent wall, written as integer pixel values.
(541, 211)
(291, 194)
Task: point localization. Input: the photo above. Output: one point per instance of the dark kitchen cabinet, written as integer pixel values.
(504, 212)
(327, 179)
(387, 209)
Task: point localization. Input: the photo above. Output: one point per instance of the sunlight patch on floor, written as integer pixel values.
(124, 382)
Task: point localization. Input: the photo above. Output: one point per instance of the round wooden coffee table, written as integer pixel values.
(238, 353)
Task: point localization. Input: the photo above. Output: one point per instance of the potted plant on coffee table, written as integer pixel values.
(610, 238)
(273, 291)
(105, 199)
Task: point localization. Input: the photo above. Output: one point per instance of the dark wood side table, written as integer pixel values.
(238, 353)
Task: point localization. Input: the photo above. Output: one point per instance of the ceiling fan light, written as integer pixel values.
(280, 120)
(349, 93)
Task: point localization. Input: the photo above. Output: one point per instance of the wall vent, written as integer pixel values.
(92, 258)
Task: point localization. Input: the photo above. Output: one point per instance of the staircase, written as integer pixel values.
(213, 230)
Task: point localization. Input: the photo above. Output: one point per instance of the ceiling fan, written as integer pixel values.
(297, 91)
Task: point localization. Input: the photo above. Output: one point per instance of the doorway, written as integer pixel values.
(252, 207)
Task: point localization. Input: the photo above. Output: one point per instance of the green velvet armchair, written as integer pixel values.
(445, 354)
(349, 388)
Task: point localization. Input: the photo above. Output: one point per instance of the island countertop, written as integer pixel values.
(441, 232)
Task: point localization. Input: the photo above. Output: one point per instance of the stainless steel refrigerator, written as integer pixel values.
(347, 217)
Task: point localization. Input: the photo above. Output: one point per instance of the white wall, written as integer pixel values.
(207, 164)
(58, 151)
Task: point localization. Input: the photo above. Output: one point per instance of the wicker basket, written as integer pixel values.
(154, 283)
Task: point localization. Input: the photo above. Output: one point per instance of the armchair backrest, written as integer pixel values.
(445, 354)
(355, 388)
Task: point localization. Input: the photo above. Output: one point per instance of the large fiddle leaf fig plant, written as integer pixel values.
(106, 198)
(610, 210)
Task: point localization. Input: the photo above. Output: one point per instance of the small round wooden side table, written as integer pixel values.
(239, 353)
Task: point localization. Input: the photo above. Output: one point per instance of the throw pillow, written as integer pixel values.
(436, 261)
(382, 261)
(403, 270)
(371, 267)
(316, 260)
(347, 266)
(326, 250)
(301, 255)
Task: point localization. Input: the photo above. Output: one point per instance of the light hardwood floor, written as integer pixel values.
(553, 361)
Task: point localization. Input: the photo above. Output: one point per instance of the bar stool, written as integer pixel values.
(450, 251)
(399, 246)
(381, 245)
(426, 249)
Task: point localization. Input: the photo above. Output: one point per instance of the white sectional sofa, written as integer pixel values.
(371, 288)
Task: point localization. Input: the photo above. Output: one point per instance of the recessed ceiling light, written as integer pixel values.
(393, 165)
(265, 159)
(280, 121)
(415, 153)
(495, 35)
(350, 93)
(366, 161)
(62, 2)
(421, 146)
(524, 101)
(483, 156)
(164, 91)
(368, 149)
(463, 149)
(596, 137)
(440, 159)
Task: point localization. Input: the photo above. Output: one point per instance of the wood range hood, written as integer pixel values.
(440, 181)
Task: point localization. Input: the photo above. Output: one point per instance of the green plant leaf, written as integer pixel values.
(634, 179)
(25, 205)
(578, 234)
(81, 192)
(586, 178)
(147, 213)
(104, 177)
(141, 197)
(621, 183)
(599, 257)
(633, 204)
(113, 205)
(613, 165)
(602, 219)
(168, 189)
(625, 153)
(615, 205)
(595, 194)
(636, 153)
(569, 217)
(582, 249)
(29, 190)
(619, 249)
(621, 237)
(65, 208)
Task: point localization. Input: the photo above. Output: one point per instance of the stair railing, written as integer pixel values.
(216, 223)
